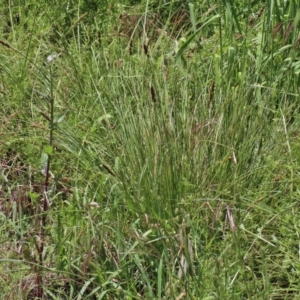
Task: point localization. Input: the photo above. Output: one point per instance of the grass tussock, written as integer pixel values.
(149, 150)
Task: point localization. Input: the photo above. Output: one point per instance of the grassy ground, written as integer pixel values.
(149, 150)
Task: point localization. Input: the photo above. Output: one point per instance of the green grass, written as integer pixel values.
(171, 134)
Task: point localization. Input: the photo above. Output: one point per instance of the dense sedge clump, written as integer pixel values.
(149, 150)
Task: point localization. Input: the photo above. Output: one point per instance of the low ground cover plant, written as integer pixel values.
(149, 150)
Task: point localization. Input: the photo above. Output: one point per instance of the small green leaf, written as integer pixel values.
(59, 119)
(33, 196)
(48, 149)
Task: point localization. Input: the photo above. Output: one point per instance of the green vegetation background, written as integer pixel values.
(149, 149)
